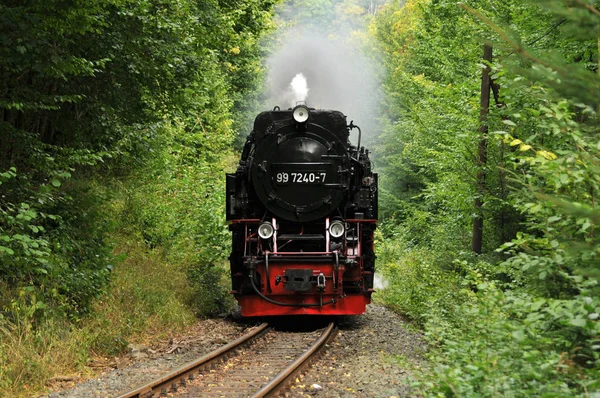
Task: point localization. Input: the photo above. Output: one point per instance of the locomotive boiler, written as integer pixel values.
(302, 209)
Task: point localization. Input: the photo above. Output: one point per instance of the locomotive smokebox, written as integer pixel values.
(300, 174)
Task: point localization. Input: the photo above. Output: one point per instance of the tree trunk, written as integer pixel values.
(477, 242)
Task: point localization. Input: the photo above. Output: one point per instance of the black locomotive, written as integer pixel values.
(302, 208)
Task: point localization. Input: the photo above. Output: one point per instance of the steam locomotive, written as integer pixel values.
(302, 209)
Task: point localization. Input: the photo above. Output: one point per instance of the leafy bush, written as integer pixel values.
(66, 257)
(522, 318)
(210, 293)
(140, 303)
(512, 344)
(116, 118)
(177, 205)
(417, 286)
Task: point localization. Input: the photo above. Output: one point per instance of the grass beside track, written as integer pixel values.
(141, 305)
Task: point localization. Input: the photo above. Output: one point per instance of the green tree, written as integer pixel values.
(522, 319)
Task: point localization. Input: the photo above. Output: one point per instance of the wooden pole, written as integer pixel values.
(484, 110)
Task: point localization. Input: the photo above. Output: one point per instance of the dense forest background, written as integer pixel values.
(521, 317)
(119, 119)
(117, 122)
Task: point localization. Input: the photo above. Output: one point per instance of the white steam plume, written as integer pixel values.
(299, 89)
(380, 282)
(340, 77)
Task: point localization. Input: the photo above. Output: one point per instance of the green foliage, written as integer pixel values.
(522, 318)
(66, 256)
(210, 295)
(85, 93)
(513, 344)
(140, 299)
(417, 287)
(109, 100)
(177, 205)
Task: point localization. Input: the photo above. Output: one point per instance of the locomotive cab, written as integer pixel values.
(302, 208)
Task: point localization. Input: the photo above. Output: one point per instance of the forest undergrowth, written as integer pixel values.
(167, 239)
(117, 121)
(515, 316)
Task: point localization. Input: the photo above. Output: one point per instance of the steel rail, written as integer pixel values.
(178, 376)
(280, 380)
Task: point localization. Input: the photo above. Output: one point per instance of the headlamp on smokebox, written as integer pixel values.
(301, 113)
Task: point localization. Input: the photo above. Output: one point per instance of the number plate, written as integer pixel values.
(300, 177)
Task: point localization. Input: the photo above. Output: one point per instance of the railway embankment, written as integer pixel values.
(143, 363)
(377, 354)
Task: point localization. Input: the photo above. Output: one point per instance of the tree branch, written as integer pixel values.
(517, 48)
(589, 7)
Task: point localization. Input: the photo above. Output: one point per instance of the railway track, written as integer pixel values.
(258, 364)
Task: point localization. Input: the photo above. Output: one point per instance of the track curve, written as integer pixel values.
(257, 364)
(179, 376)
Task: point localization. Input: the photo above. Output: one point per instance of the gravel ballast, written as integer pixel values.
(143, 364)
(371, 356)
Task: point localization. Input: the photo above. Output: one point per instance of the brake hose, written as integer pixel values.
(332, 301)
